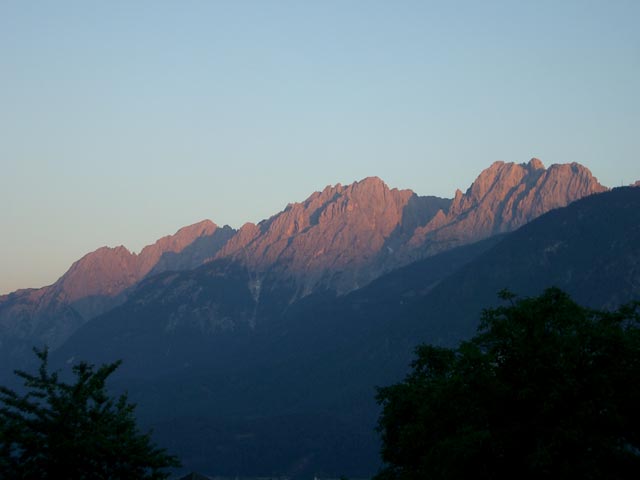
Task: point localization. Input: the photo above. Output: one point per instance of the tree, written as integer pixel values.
(74, 431)
(546, 389)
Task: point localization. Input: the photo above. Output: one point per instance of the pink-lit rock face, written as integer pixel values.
(504, 197)
(340, 238)
(91, 286)
(345, 236)
(334, 238)
(109, 271)
(339, 225)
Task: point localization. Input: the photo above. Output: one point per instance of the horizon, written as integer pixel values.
(153, 241)
(124, 122)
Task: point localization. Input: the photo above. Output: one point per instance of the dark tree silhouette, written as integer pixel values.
(74, 431)
(546, 389)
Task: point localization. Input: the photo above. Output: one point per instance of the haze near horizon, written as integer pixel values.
(123, 122)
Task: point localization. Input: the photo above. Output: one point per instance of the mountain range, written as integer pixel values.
(257, 351)
(338, 239)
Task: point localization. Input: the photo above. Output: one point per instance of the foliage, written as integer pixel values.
(546, 389)
(73, 431)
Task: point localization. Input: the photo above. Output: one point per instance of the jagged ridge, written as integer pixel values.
(95, 284)
(504, 197)
(338, 239)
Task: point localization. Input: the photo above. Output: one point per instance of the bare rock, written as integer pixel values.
(335, 237)
(339, 238)
(504, 197)
(92, 285)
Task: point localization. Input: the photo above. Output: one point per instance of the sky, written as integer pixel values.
(122, 121)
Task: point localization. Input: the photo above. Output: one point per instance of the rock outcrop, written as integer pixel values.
(336, 237)
(504, 197)
(109, 271)
(345, 236)
(97, 281)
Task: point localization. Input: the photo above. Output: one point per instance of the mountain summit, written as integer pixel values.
(338, 240)
(212, 361)
(345, 236)
(335, 237)
(96, 283)
(504, 197)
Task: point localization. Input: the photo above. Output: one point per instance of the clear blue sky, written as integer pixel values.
(121, 121)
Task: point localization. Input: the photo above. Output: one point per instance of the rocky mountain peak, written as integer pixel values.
(104, 272)
(535, 164)
(339, 238)
(336, 232)
(368, 185)
(498, 180)
(99, 280)
(107, 271)
(151, 254)
(504, 197)
(345, 235)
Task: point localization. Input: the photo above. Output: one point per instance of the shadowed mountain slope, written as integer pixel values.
(253, 372)
(591, 249)
(339, 239)
(94, 284)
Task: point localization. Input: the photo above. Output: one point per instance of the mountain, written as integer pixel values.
(290, 390)
(208, 364)
(345, 236)
(504, 197)
(108, 272)
(339, 239)
(211, 307)
(591, 249)
(94, 284)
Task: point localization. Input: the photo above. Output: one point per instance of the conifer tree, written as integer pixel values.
(74, 430)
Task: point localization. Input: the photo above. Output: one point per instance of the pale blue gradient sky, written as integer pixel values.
(121, 121)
